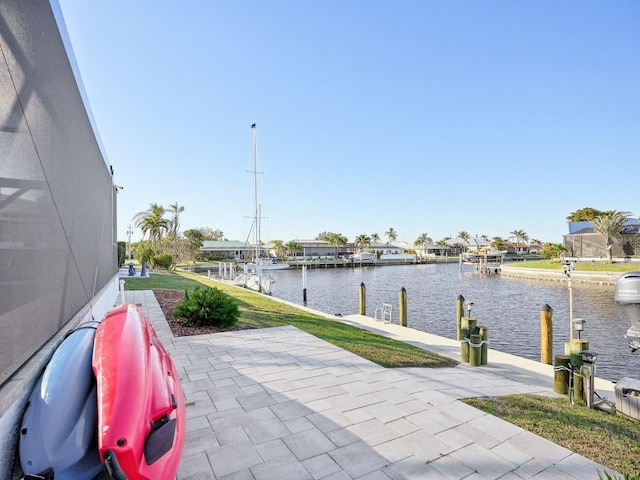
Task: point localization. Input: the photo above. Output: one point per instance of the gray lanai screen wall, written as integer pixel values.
(57, 200)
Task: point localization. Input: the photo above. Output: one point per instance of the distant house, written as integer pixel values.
(380, 248)
(226, 249)
(458, 245)
(583, 241)
(312, 249)
(517, 248)
(428, 249)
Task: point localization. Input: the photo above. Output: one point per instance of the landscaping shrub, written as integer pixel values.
(162, 260)
(208, 307)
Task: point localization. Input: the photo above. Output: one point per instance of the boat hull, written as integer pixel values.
(58, 435)
(141, 410)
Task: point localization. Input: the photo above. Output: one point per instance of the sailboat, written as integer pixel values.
(256, 275)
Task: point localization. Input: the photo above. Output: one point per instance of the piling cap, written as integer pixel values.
(547, 308)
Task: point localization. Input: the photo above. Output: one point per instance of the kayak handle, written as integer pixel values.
(113, 467)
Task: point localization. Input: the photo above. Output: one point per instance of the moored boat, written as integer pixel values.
(485, 260)
(141, 409)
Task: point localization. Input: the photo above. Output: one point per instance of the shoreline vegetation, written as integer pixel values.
(611, 440)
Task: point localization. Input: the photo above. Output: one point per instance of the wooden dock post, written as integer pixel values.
(475, 350)
(363, 299)
(484, 333)
(304, 284)
(459, 315)
(561, 372)
(546, 334)
(575, 348)
(403, 307)
(467, 328)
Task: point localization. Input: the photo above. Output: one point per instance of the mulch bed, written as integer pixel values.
(168, 299)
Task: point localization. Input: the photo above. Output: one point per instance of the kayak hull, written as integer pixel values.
(58, 434)
(140, 402)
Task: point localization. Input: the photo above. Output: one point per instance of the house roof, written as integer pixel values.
(224, 245)
(471, 242)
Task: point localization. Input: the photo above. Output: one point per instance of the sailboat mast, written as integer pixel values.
(257, 232)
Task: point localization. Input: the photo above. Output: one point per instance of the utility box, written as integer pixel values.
(628, 397)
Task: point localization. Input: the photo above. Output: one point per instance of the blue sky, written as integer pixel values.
(424, 116)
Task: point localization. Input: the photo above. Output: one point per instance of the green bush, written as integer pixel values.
(122, 249)
(162, 260)
(208, 307)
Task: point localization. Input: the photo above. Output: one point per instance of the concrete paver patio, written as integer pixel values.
(279, 403)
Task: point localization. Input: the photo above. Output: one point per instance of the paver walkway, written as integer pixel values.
(281, 404)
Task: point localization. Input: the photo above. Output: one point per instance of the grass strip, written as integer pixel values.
(611, 440)
(580, 266)
(261, 311)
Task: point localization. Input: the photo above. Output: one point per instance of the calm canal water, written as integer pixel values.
(509, 307)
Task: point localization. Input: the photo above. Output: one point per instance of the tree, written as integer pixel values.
(586, 214)
(609, 225)
(174, 224)
(422, 239)
(210, 234)
(552, 250)
(465, 237)
(143, 251)
(375, 237)
(362, 241)
(336, 239)
(278, 246)
(497, 242)
(152, 221)
(194, 243)
(521, 237)
(292, 248)
(391, 234)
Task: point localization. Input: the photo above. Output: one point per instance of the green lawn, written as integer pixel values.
(582, 266)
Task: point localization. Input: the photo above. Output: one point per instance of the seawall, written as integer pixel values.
(601, 278)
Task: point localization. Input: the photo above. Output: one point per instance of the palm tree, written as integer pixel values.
(174, 224)
(336, 239)
(375, 237)
(391, 234)
(362, 241)
(609, 225)
(465, 237)
(152, 221)
(278, 246)
(421, 240)
(292, 248)
(521, 237)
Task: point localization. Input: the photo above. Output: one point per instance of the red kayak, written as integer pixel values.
(141, 411)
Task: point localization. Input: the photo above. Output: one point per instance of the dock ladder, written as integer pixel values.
(384, 313)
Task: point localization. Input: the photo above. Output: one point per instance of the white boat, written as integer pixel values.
(483, 259)
(364, 256)
(268, 264)
(256, 275)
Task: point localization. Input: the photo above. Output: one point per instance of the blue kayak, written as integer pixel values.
(58, 437)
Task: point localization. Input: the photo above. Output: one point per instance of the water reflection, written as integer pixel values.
(509, 307)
